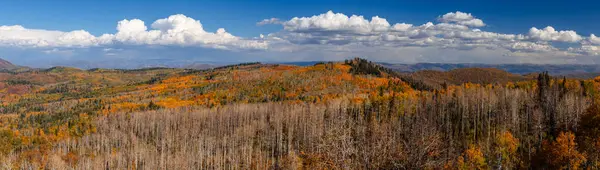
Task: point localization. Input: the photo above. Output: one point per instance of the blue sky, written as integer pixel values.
(504, 36)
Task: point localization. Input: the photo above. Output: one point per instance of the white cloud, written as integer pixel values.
(336, 22)
(550, 34)
(455, 31)
(401, 27)
(478, 34)
(180, 30)
(340, 29)
(592, 50)
(174, 30)
(269, 21)
(134, 25)
(594, 40)
(453, 35)
(19, 36)
(133, 32)
(462, 18)
(530, 47)
(448, 27)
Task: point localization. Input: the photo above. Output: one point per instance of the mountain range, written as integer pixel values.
(568, 70)
(523, 69)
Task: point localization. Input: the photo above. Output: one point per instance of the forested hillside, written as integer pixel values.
(336, 115)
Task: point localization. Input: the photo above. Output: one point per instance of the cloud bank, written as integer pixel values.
(454, 31)
(452, 37)
(175, 30)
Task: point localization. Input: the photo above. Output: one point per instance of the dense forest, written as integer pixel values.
(335, 115)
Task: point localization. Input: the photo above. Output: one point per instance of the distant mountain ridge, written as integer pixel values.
(558, 69)
(569, 70)
(200, 66)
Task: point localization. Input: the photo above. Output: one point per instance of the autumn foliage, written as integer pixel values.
(335, 115)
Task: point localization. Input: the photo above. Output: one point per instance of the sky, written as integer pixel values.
(131, 34)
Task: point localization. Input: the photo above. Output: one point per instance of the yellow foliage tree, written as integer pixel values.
(506, 148)
(562, 153)
(473, 159)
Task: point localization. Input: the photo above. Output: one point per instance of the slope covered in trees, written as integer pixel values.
(339, 115)
(467, 75)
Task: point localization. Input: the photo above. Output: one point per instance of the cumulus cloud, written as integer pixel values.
(178, 30)
(550, 34)
(401, 27)
(455, 30)
(341, 29)
(336, 22)
(174, 30)
(594, 40)
(19, 36)
(462, 18)
(451, 36)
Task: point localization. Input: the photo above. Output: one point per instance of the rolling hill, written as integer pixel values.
(5, 65)
(466, 75)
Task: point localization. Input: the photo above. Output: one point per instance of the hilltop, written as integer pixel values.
(433, 79)
(5, 65)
